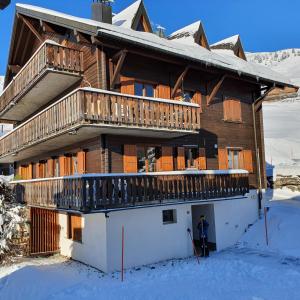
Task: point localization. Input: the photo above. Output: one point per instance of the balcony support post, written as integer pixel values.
(31, 28)
(179, 81)
(118, 69)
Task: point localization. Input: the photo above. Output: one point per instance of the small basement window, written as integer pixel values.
(75, 227)
(169, 216)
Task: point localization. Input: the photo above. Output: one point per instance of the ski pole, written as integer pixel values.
(266, 226)
(194, 247)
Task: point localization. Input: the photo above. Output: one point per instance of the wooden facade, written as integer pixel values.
(131, 110)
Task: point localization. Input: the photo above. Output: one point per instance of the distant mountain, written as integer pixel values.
(286, 62)
(281, 119)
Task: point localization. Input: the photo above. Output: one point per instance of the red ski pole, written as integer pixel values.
(194, 247)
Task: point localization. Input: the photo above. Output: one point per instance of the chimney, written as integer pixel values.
(161, 31)
(102, 11)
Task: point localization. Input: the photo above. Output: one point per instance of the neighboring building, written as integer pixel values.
(116, 126)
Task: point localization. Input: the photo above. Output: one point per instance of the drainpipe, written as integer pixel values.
(257, 153)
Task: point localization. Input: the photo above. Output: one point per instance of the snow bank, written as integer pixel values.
(283, 220)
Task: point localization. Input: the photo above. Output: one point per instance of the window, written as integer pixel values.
(188, 96)
(169, 216)
(144, 89)
(75, 227)
(74, 164)
(147, 159)
(191, 156)
(232, 110)
(235, 159)
(56, 167)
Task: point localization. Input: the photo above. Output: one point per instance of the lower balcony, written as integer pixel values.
(92, 192)
(86, 113)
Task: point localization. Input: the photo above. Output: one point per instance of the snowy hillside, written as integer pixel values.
(286, 62)
(281, 119)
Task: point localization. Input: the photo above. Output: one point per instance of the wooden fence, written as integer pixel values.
(105, 191)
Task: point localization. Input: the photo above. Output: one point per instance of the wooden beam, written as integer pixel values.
(18, 42)
(179, 81)
(118, 69)
(32, 29)
(215, 89)
(258, 102)
(80, 37)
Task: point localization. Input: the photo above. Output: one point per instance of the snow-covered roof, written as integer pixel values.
(152, 41)
(186, 35)
(230, 42)
(126, 17)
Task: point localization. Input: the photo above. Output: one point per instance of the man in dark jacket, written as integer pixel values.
(203, 228)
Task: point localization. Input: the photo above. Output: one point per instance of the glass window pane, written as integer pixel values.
(141, 160)
(236, 159)
(149, 90)
(151, 156)
(138, 89)
(230, 161)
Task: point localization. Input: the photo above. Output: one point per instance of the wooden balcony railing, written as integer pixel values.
(48, 56)
(108, 191)
(92, 107)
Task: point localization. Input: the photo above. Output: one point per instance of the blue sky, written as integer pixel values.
(264, 25)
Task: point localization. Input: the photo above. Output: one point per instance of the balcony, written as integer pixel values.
(92, 192)
(87, 113)
(48, 73)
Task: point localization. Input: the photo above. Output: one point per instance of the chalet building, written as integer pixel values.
(115, 126)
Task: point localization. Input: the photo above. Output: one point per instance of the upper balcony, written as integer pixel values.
(86, 113)
(49, 72)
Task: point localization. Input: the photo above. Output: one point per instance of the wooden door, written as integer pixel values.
(44, 231)
(166, 159)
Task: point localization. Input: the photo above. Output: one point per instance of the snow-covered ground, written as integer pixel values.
(249, 271)
(281, 119)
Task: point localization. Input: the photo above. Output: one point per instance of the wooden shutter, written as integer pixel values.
(62, 167)
(197, 98)
(223, 159)
(130, 159)
(248, 162)
(241, 159)
(180, 158)
(81, 162)
(232, 110)
(29, 171)
(166, 159)
(50, 167)
(37, 170)
(75, 227)
(127, 85)
(163, 91)
(201, 160)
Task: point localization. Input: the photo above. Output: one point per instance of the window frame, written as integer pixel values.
(69, 227)
(173, 218)
(145, 83)
(239, 151)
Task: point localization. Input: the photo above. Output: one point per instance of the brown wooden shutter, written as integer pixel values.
(223, 159)
(127, 85)
(163, 91)
(201, 159)
(50, 167)
(37, 170)
(130, 159)
(232, 110)
(166, 159)
(75, 227)
(29, 172)
(248, 162)
(81, 162)
(241, 159)
(197, 98)
(180, 158)
(62, 167)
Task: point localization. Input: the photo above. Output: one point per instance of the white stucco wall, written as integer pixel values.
(147, 239)
(93, 249)
(232, 218)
